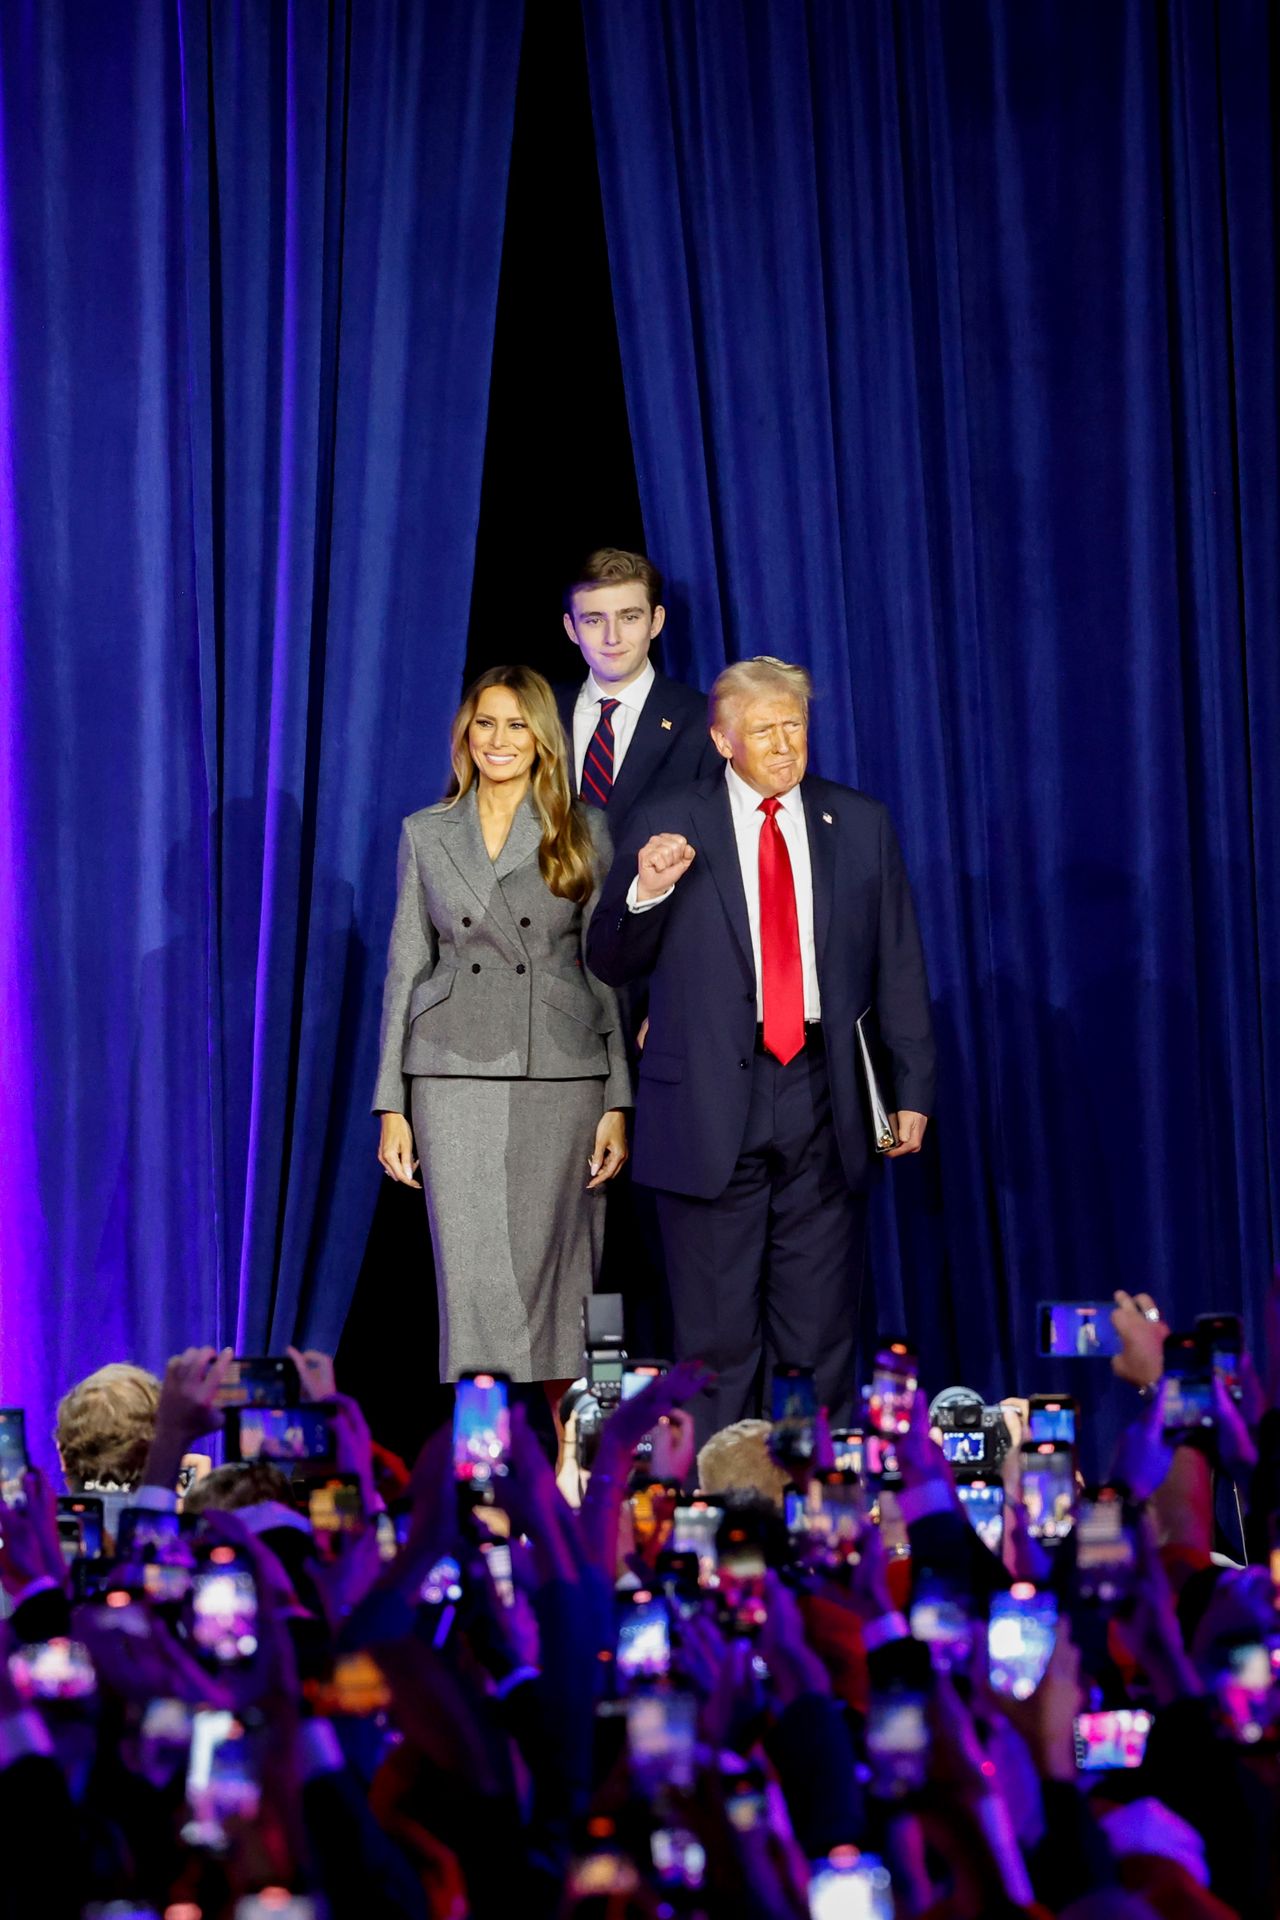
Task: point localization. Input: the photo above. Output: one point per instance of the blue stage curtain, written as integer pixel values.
(949, 336)
(248, 275)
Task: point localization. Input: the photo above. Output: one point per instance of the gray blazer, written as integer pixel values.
(485, 976)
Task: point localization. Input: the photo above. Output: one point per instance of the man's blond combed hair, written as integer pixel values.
(763, 674)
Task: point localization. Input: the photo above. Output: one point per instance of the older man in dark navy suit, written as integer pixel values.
(769, 911)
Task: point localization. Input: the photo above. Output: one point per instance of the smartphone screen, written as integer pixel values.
(224, 1607)
(743, 1607)
(53, 1670)
(1052, 1419)
(693, 1530)
(443, 1584)
(335, 1506)
(222, 1779)
(847, 1444)
(1107, 1741)
(1077, 1329)
(265, 1381)
(984, 1510)
(828, 1520)
(882, 1461)
(141, 1530)
(941, 1617)
(1188, 1403)
(794, 1409)
(679, 1858)
(894, 1384)
(297, 1434)
(80, 1526)
(897, 1739)
(644, 1638)
(1221, 1340)
(13, 1455)
(497, 1559)
(1048, 1489)
(965, 1447)
(850, 1885)
(637, 1375)
(481, 1429)
(1020, 1639)
(653, 1516)
(1106, 1556)
(661, 1731)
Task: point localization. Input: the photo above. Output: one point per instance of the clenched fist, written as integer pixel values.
(663, 859)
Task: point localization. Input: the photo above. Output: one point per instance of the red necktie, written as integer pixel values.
(597, 768)
(781, 968)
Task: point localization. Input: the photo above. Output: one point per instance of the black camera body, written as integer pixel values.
(975, 1437)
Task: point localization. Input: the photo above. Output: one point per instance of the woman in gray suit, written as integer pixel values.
(498, 1045)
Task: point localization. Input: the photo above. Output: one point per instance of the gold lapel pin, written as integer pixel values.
(827, 818)
(666, 726)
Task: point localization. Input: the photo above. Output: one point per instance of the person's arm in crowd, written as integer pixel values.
(364, 1874)
(969, 1790)
(188, 1409)
(809, 1741)
(32, 1570)
(1072, 1858)
(46, 1868)
(601, 1509)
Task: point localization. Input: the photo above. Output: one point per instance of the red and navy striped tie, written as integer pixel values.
(597, 768)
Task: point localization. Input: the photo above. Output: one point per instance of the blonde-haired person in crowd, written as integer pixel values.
(503, 1075)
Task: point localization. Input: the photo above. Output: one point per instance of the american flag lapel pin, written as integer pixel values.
(828, 819)
(666, 726)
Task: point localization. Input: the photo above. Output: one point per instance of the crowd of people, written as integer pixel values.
(784, 1675)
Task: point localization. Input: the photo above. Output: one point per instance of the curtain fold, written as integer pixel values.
(248, 275)
(949, 338)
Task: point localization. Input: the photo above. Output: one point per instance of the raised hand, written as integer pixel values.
(663, 859)
(29, 1545)
(188, 1408)
(1136, 1319)
(315, 1372)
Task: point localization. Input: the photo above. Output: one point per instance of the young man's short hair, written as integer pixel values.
(105, 1425)
(613, 567)
(239, 1484)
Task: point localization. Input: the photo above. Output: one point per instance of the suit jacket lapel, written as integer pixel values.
(716, 844)
(647, 746)
(821, 825)
(522, 842)
(464, 843)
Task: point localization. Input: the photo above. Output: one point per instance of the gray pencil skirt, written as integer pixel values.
(516, 1236)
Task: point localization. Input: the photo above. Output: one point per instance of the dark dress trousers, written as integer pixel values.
(670, 747)
(761, 1169)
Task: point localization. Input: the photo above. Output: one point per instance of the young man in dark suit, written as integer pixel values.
(632, 733)
(632, 730)
(767, 910)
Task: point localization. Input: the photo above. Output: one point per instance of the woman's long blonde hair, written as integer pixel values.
(565, 858)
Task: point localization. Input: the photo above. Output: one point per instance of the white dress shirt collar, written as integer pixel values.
(632, 696)
(745, 800)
